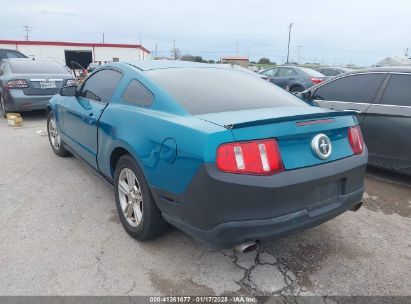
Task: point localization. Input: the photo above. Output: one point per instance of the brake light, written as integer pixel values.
(260, 157)
(356, 140)
(316, 80)
(17, 84)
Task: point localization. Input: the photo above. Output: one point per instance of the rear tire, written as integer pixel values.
(136, 207)
(54, 136)
(3, 108)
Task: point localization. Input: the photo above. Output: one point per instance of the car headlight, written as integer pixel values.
(71, 82)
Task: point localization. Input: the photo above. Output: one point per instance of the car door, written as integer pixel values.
(284, 77)
(81, 114)
(388, 121)
(352, 92)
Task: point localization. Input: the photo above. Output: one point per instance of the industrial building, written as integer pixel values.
(236, 60)
(83, 53)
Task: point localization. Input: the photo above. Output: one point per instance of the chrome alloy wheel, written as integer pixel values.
(130, 196)
(54, 134)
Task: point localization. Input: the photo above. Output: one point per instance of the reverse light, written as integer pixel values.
(259, 157)
(356, 140)
(316, 80)
(17, 84)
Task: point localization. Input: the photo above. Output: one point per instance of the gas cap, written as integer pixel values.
(168, 151)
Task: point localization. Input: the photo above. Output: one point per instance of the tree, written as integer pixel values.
(198, 59)
(187, 57)
(264, 61)
(211, 61)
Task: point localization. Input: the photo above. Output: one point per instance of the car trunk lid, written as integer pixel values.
(293, 127)
(43, 84)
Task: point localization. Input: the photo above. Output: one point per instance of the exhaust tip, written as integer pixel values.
(356, 207)
(246, 247)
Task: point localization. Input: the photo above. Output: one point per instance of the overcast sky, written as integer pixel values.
(350, 31)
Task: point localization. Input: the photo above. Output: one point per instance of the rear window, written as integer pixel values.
(213, 90)
(36, 67)
(312, 72)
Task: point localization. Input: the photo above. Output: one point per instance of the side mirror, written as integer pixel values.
(68, 91)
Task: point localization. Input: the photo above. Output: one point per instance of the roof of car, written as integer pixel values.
(146, 65)
(23, 60)
(401, 69)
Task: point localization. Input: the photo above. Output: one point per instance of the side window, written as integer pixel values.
(2, 66)
(397, 91)
(101, 85)
(11, 54)
(137, 94)
(285, 72)
(269, 73)
(354, 88)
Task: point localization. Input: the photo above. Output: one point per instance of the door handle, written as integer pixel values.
(353, 110)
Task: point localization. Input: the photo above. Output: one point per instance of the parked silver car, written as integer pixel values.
(27, 84)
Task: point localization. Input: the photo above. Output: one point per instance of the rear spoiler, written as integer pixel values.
(288, 118)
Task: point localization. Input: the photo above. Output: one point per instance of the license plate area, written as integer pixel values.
(327, 191)
(47, 84)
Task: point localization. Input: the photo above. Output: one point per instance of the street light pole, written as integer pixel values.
(289, 39)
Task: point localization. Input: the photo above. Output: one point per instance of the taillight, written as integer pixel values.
(316, 80)
(17, 84)
(260, 157)
(356, 140)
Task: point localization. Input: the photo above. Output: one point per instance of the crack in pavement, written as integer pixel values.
(259, 279)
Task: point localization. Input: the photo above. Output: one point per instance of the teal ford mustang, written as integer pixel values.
(217, 152)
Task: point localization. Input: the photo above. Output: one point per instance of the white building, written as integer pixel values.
(83, 53)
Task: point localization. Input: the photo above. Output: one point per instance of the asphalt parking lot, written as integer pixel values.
(60, 235)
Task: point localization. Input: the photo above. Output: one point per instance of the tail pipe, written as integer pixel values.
(246, 247)
(356, 207)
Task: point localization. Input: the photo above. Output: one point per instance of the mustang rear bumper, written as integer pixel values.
(226, 209)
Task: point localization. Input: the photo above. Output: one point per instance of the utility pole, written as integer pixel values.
(27, 30)
(406, 53)
(299, 47)
(289, 39)
(103, 37)
(156, 55)
(237, 49)
(174, 49)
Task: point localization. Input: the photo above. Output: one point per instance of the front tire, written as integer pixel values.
(136, 207)
(54, 136)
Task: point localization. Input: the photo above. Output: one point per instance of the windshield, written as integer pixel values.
(213, 90)
(36, 67)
